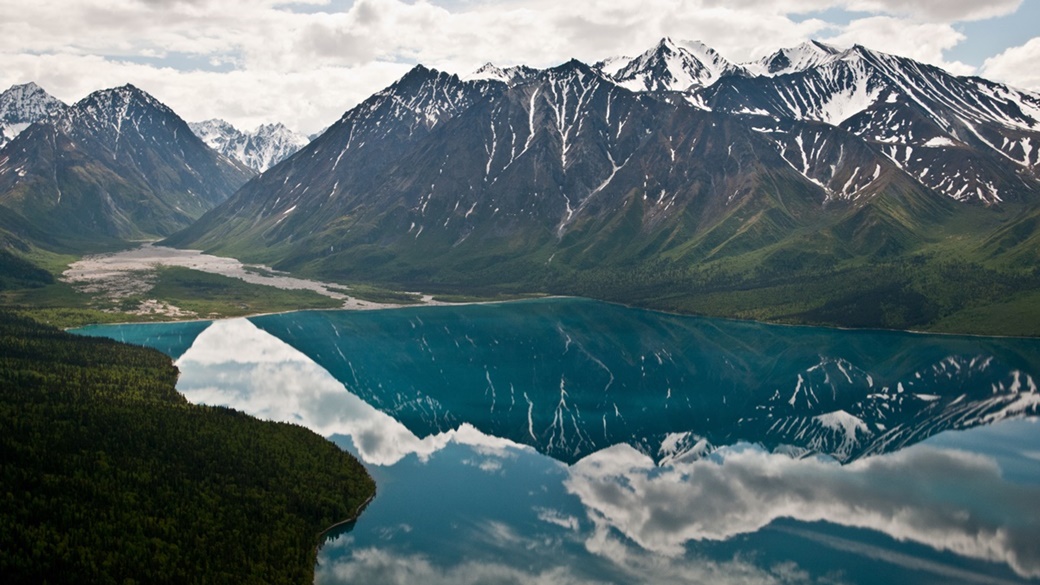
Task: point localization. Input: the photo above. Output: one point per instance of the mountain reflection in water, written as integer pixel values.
(572, 441)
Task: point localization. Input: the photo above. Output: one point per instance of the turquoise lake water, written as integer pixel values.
(571, 441)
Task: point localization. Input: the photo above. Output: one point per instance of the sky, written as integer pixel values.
(305, 62)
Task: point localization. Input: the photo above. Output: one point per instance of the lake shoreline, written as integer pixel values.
(125, 263)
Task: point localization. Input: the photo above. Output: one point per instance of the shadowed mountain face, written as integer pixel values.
(117, 165)
(815, 161)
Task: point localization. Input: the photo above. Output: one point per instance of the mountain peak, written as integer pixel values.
(817, 46)
(667, 43)
(572, 67)
(271, 128)
(259, 150)
(123, 95)
(23, 104)
(421, 72)
(674, 66)
(509, 75)
(27, 87)
(801, 57)
(486, 70)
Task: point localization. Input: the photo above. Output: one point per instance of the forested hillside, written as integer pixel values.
(109, 476)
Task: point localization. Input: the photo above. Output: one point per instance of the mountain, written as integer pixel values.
(117, 165)
(21, 105)
(671, 66)
(808, 55)
(508, 75)
(259, 150)
(859, 189)
(526, 161)
(344, 164)
(966, 138)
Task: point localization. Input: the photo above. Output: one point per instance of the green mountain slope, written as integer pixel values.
(762, 206)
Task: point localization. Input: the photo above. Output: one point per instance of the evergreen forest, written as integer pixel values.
(109, 475)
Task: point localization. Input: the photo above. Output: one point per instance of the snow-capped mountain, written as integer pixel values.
(21, 105)
(466, 164)
(963, 137)
(840, 409)
(576, 178)
(509, 75)
(259, 150)
(118, 164)
(807, 55)
(349, 159)
(671, 66)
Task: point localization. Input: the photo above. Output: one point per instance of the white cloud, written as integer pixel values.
(372, 565)
(1016, 66)
(925, 42)
(905, 495)
(305, 68)
(938, 10)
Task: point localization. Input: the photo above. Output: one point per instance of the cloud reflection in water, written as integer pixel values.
(233, 363)
(946, 499)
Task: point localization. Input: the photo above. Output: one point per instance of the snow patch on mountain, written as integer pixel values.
(612, 65)
(260, 149)
(21, 105)
(807, 55)
(674, 66)
(510, 75)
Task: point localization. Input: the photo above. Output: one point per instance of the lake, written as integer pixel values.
(572, 441)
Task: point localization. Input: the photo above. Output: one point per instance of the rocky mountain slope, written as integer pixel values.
(21, 105)
(117, 165)
(676, 171)
(259, 150)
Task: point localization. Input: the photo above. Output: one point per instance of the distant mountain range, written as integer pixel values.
(668, 178)
(259, 150)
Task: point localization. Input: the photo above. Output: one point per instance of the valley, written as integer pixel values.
(829, 186)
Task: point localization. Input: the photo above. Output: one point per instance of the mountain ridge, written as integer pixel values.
(674, 180)
(114, 166)
(259, 149)
(849, 170)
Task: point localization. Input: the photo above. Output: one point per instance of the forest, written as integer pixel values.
(109, 475)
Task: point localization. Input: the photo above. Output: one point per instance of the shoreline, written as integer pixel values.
(118, 266)
(387, 307)
(811, 326)
(394, 307)
(116, 274)
(357, 514)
